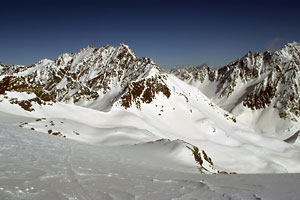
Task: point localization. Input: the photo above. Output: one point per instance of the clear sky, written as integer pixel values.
(170, 32)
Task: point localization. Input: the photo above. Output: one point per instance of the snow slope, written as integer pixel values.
(223, 141)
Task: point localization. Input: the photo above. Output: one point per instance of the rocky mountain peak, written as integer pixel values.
(82, 77)
(257, 80)
(125, 48)
(193, 73)
(291, 46)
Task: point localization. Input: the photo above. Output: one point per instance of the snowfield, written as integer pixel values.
(35, 165)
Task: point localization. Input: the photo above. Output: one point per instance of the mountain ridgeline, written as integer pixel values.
(256, 81)
(100, 78)
(104, 74)
(243, 117)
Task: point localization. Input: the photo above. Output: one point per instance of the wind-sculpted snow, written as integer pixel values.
(223, 146)
(37, 166)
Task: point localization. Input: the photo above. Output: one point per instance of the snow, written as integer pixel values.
(229, 89)
(41, 64)
(206, 127)
(39, 166)
(62, 83)
(20, 95)
(104, 151)
(82, 54)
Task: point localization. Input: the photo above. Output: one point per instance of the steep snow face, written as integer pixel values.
(257, 86)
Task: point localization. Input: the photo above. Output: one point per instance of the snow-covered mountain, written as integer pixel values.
(84, 78)
(109, 96)
(258, 89)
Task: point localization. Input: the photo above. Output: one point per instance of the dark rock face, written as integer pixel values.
(86, 76)
(194, 73)
(144, 91)
(19, 84)
(269, 79)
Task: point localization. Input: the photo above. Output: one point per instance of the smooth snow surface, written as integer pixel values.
(39, 166)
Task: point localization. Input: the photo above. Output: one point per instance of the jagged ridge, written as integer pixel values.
(84, 77)
(268, 79)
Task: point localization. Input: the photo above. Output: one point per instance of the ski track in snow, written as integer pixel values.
(35, 165)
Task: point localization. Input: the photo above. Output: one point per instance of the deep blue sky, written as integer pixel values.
(170, 32)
